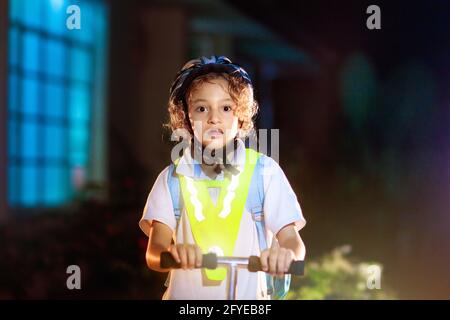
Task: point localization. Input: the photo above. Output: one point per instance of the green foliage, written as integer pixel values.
(335, 276)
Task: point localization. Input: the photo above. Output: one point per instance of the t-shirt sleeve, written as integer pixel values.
(159, 205)
(281, 206)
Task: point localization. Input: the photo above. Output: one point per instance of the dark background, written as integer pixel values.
(364, 139)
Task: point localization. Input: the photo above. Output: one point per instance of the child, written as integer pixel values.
(211, 100)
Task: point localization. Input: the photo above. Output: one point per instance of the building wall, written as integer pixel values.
(146, 53)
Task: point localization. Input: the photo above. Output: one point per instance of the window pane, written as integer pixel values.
(54, 58)
(29, 190)
(81, 65)
(79, 104)
(78, 159)
(30, 96)
(13, 91)
(30, 51)
(54, 98)
(16, 8)
(78, 146)
(87, 18)
(31, 14)
(12, 137)
(29, 132)
(55, 185)
(54, 142)
(55, 16)
(78, 138)
(13, 46)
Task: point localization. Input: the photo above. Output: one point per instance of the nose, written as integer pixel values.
(214, 117)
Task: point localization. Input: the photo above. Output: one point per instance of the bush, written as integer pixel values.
(335, 276)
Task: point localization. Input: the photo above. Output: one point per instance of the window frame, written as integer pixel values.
(93, 89)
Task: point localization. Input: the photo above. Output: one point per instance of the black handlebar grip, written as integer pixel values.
(254, 264)
(296, 268)
(167, 261)
(209, 261)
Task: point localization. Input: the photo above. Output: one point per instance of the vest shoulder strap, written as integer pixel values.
(174, 189)
(255, 205)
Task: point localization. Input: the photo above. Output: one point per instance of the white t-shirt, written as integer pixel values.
(280, 209)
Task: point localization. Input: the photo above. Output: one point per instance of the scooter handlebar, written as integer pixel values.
(209, 261)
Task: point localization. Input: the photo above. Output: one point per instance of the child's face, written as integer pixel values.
(211, 112)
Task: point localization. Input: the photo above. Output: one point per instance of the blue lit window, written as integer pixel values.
(55, 76)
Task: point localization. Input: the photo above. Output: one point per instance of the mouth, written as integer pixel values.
(213, 133)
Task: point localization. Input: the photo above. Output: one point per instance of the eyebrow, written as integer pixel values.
(204, 100)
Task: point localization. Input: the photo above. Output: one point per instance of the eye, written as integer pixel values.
(201, 109)
(227, 108)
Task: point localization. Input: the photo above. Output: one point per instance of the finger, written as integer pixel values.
(199, 257)
(183, 256)
(273, 256)
(174, 252)
(191, 257)
(280, 262)
(264, 260)
(288, 261)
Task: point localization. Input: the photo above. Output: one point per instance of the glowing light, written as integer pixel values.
(56, 4)
(217, 250)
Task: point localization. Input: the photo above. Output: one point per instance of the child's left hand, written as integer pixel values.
(277, 260)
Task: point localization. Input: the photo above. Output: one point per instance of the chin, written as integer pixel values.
(214, 143)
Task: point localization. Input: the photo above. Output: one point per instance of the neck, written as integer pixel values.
(213, 161)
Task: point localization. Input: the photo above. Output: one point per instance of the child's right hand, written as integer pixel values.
(188, 255)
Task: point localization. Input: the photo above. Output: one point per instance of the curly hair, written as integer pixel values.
(240, 92)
